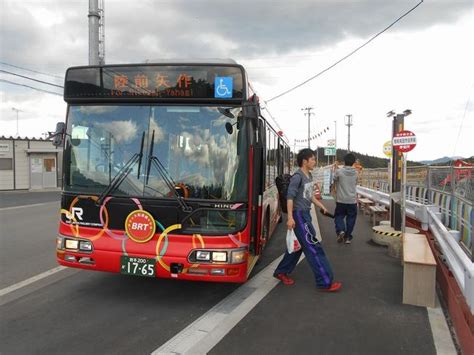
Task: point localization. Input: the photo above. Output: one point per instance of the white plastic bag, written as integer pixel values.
(292, 243)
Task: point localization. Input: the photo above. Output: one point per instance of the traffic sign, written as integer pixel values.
(330, 151)
(404, 141)
(331, 142)
(387, 148)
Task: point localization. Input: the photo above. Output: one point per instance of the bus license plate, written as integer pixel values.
(132, 265)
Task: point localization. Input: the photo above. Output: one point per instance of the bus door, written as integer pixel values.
(258, 182)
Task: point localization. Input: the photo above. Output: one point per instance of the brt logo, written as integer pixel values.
(140, 226)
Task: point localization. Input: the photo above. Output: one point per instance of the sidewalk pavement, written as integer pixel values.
(366, 317)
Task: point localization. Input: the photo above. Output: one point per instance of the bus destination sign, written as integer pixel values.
(154, 81)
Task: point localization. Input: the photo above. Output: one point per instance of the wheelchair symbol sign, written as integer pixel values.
(223, 86)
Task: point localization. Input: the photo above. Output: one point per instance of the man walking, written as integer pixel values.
(299, 198)
(346, 199)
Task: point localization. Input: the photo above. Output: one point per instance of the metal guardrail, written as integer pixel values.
(430, 218)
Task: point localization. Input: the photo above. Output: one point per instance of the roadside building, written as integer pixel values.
(29, 164)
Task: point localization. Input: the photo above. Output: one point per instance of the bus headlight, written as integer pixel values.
(72, 244)
(223, 256)
(219, 256)
(237, 256)
(203, 255)
(85, 245)
(59, 243)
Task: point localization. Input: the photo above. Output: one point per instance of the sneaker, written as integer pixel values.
(285, 279)
(340, 236)
(348, 240)
(335, 286)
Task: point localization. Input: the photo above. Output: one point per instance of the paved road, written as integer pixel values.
(79, 311)
(21, 198)
(366, 317)
(27, 241)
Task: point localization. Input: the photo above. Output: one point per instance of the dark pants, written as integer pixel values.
(312, 250)
(345, 218)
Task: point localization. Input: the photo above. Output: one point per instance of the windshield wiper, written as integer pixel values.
(123, 173)
(165, 175)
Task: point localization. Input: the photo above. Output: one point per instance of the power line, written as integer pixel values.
(347, 56)
(271, 116)
(30, 87)
(28, 78)
(31, 70)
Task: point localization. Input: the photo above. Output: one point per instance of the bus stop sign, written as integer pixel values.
(404, 141)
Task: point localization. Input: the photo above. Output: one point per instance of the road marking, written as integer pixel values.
(31, 280)
(204, 333)
(441, 336)
(24, 206)
(208, 330)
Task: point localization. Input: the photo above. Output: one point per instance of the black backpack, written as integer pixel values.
(282, 182)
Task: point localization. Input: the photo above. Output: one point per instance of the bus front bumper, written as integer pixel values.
(170, 267)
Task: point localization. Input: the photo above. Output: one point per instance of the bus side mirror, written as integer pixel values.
(58, 136)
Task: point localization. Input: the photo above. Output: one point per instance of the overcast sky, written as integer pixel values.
(423, 63)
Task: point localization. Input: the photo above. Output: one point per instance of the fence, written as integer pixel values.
(450, 188)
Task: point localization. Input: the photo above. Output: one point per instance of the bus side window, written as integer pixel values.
(268, 162)
(279, 157)
(273, 157)
(288, 160)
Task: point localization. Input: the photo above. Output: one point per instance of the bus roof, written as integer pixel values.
(209, 61)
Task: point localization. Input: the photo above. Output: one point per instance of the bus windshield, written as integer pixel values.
(192, 143)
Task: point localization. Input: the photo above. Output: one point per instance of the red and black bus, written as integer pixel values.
(169, 171)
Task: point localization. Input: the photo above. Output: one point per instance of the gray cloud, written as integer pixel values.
(254, 29)
(45, 47)
(136, 31)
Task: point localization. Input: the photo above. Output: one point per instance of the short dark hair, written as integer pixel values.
(304, 154)
(349, 159)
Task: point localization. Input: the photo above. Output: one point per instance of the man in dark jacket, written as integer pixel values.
(300, 197)
(346, 199)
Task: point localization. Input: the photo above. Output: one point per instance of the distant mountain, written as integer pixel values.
(443, 160)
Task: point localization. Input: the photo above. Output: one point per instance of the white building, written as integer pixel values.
(29, 164)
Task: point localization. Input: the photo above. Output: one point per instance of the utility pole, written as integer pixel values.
(335, 140)
(348, 123)
(17, 111)
(308, 113)
(102, 32)
(96, 33)
(294, 154)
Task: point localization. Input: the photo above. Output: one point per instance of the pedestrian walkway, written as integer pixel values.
(366, 317)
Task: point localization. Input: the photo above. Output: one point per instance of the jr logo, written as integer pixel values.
(76, 213)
